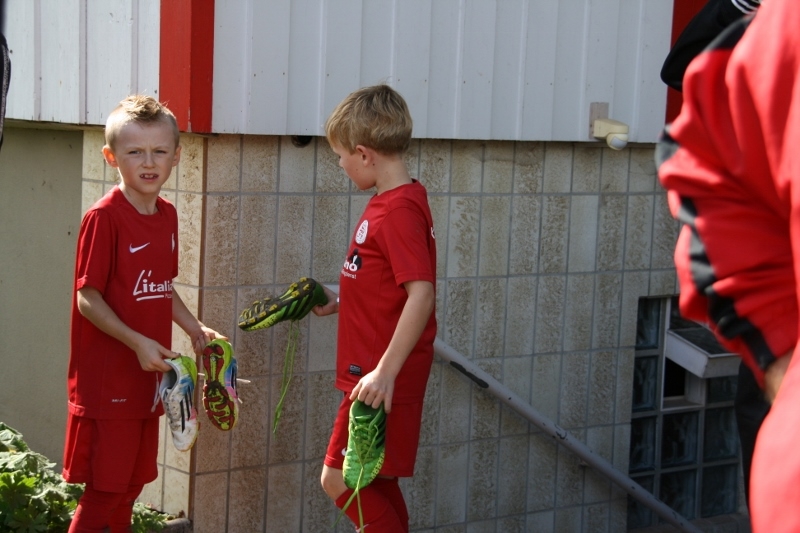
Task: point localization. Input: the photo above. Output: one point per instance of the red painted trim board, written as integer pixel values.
(186, 57)
(682, 12)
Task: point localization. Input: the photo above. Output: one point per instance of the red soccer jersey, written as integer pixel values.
(131, 259)
(393, 243)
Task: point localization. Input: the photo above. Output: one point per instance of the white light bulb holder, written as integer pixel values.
(613, 132)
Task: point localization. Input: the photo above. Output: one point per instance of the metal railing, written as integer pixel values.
(561, 436)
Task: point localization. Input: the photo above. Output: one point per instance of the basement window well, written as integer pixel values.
(684, 441)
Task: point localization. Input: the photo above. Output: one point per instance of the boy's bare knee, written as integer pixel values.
(332, 482)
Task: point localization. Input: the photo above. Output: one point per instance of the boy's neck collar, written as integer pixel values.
(142, 206)
(392, 184)
(390, 174)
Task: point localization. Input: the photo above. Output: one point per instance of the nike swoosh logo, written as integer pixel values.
(134, 250)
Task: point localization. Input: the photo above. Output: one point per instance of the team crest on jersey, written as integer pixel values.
(361, 234)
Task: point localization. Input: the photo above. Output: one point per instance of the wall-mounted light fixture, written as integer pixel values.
(613, 132)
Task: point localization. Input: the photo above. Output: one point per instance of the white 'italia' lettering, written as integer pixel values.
(149, 290)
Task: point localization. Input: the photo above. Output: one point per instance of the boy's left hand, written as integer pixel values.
(202, 338)
(373, 389)
(329, 308)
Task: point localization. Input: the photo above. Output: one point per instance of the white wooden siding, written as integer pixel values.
(469, 69)
(72, 61)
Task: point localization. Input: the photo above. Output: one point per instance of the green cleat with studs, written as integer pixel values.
(294, 304)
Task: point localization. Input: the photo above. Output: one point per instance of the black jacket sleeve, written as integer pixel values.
(709, 22)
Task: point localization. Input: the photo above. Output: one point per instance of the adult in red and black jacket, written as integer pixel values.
(709, 23)
(732, 168)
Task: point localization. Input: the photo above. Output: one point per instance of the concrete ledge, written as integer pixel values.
(178, 525)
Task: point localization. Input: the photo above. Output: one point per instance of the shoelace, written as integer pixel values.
(288, 371)
(365, 446)
(368, 429)
(156, 399)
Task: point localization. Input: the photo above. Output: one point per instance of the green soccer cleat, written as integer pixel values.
(365, 452)
(295, 303)
(177, 395)
(365, 445)
(220, 398)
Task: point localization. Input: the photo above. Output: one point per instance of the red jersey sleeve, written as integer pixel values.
(404, 239)
(94, 261)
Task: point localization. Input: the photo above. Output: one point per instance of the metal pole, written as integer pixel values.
(488, 383)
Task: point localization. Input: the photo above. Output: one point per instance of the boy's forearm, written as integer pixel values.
(412, 322)
(199, 334)
(97, 311)
(183, 317)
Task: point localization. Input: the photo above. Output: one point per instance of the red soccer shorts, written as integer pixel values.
(112, 455)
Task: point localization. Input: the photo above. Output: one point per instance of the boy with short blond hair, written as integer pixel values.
(386, 305)
(377, 117)
(142, 110)
(121, 329)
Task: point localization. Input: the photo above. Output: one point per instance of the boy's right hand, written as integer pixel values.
(151, 356)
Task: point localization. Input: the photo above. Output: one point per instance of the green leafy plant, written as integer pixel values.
(35, 499)
(146, 519)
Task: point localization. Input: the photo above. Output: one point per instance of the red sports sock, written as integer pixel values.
(120, 521)
(378, 512)
(390, 488)
(100, 511)
(94, 511)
